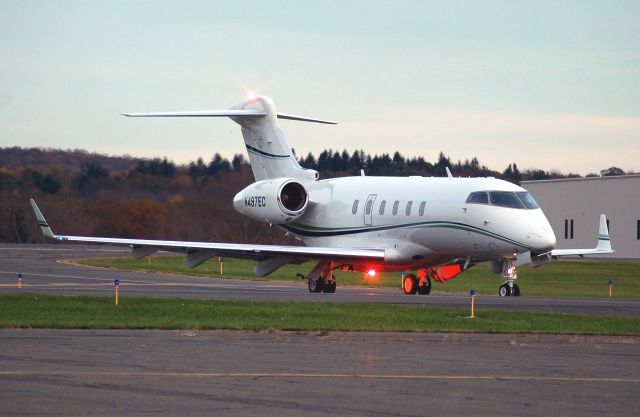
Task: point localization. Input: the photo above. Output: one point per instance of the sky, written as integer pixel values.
(552, 85)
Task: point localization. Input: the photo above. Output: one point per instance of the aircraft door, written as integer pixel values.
(368, 210)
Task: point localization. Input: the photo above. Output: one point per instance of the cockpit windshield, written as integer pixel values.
(505, 199)
(527, 200)
(519, 200)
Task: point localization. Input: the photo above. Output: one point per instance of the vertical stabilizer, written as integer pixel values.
(269, 152)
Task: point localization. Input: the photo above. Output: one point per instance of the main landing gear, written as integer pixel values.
(510, 274)
(421, 284)
(322, 285)
(320, 279)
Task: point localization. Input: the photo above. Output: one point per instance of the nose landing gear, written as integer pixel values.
(510, 274)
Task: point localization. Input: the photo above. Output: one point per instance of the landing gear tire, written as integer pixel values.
(316, 285)
(516, 290)
(425, 288)
(330, 286)
(410, 284)
(505, 290)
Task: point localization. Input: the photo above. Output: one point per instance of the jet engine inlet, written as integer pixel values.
(293, 197)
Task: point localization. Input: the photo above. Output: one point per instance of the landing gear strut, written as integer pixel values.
(510, 274)
(424, 282)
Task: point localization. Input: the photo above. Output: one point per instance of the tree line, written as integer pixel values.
(92, 194)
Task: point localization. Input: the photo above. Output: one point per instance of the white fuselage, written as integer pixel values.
(446, 227)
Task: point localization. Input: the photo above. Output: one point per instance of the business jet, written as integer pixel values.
(439, 227)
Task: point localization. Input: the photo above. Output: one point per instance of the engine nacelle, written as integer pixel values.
(277, 201)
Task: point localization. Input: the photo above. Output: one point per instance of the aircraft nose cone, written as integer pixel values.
(549, 241)
(540, 235)
(545, 238)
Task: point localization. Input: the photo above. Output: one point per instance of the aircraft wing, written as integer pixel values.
(199, 252)
(603, 246)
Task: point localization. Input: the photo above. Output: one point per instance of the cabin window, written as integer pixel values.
(354, 209)
(394, 211)
(421, 209)
(479, 197)
(367, 209)
(407, 211)
(382, 205)
(638, 230)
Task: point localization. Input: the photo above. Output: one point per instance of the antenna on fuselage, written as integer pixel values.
(448, 172)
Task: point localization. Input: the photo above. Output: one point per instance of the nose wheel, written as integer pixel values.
(506, 291)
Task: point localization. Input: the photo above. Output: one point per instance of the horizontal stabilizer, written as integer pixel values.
(304, 119)
(201, 113)
(227, 113)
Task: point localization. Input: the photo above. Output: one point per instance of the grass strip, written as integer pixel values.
(557, 279)
(90, 312)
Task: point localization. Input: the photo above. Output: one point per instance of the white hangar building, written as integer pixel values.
(573, 207)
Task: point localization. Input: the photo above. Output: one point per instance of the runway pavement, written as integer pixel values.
(174, 373)
(43, 272)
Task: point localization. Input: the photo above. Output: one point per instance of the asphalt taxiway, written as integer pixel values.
(135, 373)
(44, 272)
(151, 372)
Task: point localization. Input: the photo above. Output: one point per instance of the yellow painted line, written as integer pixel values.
(105, 284)
(61, 284)
(130, 284)
(28, 274)
(23, 249)
(321, 375)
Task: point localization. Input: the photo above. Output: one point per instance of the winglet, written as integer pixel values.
(603, 246)
(46, 229)
(604, 242)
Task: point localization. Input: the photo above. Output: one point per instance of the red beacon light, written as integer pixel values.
(371, 273)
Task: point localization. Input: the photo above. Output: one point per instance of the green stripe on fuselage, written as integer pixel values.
(315, 231)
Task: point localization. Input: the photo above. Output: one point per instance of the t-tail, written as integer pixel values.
(269, 152)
